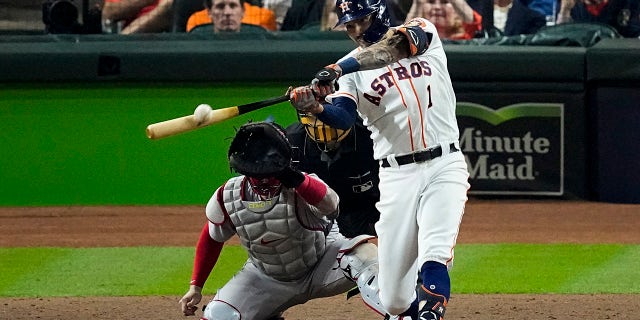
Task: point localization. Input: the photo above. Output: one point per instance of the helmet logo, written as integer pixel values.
(344, 6)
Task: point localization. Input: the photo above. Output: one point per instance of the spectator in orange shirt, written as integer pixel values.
(252, 15)
(454, 19)
(138, 16)
(279, 8)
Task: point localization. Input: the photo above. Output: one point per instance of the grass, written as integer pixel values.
(134, 271)
(141, 271)
(543, 268)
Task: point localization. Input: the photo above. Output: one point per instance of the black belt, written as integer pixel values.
(420, 156)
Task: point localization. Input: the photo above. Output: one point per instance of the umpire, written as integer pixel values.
(344, 160)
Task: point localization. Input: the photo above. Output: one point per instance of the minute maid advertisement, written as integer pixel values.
(514, 150)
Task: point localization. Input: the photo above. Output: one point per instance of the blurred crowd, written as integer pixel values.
(455, 19)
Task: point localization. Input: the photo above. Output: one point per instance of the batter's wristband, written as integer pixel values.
(349, 65)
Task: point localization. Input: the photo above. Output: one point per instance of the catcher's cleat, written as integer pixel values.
(431, 306)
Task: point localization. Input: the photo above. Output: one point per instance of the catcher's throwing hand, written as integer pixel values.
(304, 99)
(189, 302)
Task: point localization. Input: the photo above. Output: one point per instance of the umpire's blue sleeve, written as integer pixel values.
(340, 114)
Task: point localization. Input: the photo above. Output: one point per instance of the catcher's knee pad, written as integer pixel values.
(356, 255)
(359, 262)
(368, 287)
(220, 310)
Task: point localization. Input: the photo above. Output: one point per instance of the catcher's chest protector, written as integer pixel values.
(277, 243)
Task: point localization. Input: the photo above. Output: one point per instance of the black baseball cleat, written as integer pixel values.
(431, 306)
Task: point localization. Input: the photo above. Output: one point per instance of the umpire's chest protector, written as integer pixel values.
(276, 240)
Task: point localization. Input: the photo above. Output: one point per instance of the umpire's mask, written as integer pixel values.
(327, 138)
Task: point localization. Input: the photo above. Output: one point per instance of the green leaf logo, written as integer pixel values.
(518, 110)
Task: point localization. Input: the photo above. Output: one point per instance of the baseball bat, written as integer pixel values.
(187, 123)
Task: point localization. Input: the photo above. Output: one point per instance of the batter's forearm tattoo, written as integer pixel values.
(374, 58)
(385, 52)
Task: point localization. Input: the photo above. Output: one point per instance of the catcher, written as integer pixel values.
(283, 218)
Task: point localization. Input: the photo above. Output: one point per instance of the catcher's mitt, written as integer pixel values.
(260, 150)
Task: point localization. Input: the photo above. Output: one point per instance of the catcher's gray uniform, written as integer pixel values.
(283, 219)
(292, 254)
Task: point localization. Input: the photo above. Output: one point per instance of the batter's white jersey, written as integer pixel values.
(409, 105)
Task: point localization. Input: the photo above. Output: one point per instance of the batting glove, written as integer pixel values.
(303, 99)
(326, 80)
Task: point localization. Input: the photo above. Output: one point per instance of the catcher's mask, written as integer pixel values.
(260, 150)
(267, 188)
(327, 137)
(349, 10)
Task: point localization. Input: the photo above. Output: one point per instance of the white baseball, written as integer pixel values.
(202, 112)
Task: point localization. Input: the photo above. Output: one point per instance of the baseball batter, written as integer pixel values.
(283, 218)
(397, 81)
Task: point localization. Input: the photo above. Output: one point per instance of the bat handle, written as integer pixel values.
(242, 109)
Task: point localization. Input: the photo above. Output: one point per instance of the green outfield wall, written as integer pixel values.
(73, 113)
(78, 143)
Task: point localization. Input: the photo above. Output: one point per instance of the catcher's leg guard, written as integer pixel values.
(219, 310)
(356, 255)
(358, 259)
(431, 306)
